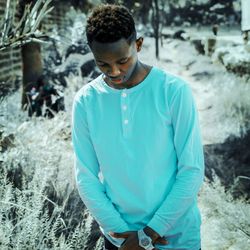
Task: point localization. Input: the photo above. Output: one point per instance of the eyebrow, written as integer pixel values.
(117, 60)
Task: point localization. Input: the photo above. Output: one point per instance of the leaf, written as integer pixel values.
(26, 29)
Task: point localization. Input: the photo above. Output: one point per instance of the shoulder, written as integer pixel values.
(89, 90)
(170, 80)
(171, 83)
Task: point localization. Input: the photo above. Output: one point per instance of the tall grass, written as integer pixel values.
(225, 221)
(39, 205)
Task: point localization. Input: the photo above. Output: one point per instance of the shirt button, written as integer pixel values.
(124, 94)
(124, 107)
(126, 121)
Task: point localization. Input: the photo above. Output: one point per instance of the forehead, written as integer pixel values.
(111, 51)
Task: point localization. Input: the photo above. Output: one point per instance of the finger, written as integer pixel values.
(121, 235)
(161, 241)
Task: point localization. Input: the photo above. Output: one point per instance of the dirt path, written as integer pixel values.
(206, 79)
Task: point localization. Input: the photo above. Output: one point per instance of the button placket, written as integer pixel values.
(125, 114)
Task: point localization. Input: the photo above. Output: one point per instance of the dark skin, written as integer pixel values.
(119, 63)
(131, 239)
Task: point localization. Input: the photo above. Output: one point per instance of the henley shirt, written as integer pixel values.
(139, 157)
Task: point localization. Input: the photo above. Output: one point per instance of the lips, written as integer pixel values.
(116, 80)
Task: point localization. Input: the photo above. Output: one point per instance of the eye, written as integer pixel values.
(100, 64)
(123, 61)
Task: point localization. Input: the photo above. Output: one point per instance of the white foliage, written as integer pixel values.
(26, 30)
(225, 223)
(44, 152)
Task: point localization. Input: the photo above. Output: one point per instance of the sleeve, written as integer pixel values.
(190, 168)
(86, 165)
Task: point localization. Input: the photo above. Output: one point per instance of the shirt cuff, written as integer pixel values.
(160, 226)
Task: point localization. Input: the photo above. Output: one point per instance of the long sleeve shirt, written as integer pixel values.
(139, 157)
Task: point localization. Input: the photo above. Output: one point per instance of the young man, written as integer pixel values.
(138, 152)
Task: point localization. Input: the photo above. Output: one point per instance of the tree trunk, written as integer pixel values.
(110, 1)
(31, 60)
(129, 4)
(156, 24)
(32, 68)
(145, 8)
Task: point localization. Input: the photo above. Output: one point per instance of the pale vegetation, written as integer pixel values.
(16, 32)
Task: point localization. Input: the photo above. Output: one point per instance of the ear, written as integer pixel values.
(139, 42)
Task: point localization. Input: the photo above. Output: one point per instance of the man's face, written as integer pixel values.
(117, 61)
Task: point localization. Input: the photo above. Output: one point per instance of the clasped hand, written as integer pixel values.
(132, 242)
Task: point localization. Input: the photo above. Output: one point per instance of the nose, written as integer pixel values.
(114, 71)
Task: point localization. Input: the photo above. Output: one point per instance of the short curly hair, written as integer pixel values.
(109, 23)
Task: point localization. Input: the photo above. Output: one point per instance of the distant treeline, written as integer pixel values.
(177, 12)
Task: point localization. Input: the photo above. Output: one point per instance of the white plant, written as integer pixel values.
(225, 223)
(26, 30)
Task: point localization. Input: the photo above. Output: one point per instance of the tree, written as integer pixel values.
(32, 67)
(144, 10)
(156, 25)
(25, 34)
(26, 30)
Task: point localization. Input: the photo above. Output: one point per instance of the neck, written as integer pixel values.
(136, 75)
(140, 73)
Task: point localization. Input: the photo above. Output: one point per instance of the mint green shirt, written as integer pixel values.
(139, 157)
